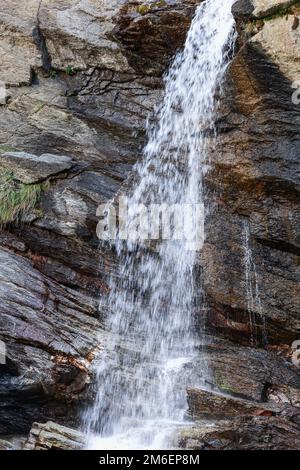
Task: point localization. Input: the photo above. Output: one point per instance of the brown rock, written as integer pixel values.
(247, 433)
(212, 405)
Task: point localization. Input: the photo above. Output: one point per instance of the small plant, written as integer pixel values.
(70, 71)
(283, 12)
(17, 199)
(53, 74)
(145, 8)
(40, 106)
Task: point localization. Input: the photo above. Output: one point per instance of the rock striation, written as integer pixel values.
(78, 80)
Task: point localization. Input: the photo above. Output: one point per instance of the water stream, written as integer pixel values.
(253, 297)
(146, 365)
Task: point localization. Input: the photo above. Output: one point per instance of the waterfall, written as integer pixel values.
(146, 365)
(253, 298)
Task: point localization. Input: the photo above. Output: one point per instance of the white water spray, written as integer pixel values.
(143, 372)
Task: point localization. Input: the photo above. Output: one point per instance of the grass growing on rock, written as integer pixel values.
(284, 12)
(17, 199)
(146, 7)
(70, 71)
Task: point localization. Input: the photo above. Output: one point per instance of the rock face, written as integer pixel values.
(74, 102)
(78, 80)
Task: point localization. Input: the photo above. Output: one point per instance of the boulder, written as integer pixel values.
(29, 168)
(52, 436)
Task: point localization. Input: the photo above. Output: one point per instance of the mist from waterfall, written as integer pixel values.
(145, 367)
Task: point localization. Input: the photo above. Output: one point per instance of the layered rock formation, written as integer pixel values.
(81, 78)
(75, 99)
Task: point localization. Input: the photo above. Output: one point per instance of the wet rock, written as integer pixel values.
(52, 436)
(211, 405)
(247, 433)
(151, 32)
(249, 373)
(83, 79)
(242, 9)
(6, 445)
(255, 188)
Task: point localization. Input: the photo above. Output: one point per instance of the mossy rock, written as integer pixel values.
(146, 7)
(17, 199)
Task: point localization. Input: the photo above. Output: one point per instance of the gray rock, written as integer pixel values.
(6, 445)
(19, 53)
(94, 107)
(52, 436)
(29, 168)
(78, 34)
(250, 373)
(51, 338)
(211, 405)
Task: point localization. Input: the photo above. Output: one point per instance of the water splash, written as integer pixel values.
(252, 282)
(146, 365)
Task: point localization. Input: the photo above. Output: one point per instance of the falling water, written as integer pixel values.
(254, 305)
(144, 369)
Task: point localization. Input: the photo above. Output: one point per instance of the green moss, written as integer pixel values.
(279, 14)
(283, 12)
(143, 9)
(146, 7)
(222, 383)
(40, 106)
(17, 199)
(69, 70)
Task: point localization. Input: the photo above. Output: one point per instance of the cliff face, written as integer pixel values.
(81, 78)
